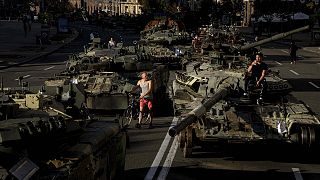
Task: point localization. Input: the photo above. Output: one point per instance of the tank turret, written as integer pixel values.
(209, 103)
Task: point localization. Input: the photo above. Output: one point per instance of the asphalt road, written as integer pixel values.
(152, 154)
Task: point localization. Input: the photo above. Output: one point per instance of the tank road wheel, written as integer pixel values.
(187, 149)
(312, 136)
(304, 136)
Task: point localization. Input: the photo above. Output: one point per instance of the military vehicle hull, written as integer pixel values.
(105, 91)
(211, 108)
(39, 141)
(95, 152)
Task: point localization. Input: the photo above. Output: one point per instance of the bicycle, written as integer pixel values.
(132, 111)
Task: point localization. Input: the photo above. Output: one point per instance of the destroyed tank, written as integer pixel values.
(209, 103)
(164, 32)
(39, 141)
(106, 90)
(164, 41)
(237, 54)
(236, 46)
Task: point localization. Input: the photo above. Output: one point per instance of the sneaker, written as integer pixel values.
(245, 94)
(138, 125)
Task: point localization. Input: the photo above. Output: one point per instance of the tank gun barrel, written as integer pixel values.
(199, 111)
(272, 38)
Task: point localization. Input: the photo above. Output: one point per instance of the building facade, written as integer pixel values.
(114, 7)
(248, 12)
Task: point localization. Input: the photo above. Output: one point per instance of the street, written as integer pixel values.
(153, 154)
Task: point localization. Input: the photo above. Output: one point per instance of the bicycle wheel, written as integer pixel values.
(127, 117)
(146, 118)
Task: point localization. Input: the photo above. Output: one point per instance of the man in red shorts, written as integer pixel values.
(145, 97)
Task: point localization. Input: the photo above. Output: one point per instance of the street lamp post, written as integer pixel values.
(292, 13)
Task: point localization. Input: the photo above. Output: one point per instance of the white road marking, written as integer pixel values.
(26, 76)
(278, 63)
(294, 72)
(162, 150)
(49, 68)
(297, 173)
(314, 85)
(168, 162)
(285, 51)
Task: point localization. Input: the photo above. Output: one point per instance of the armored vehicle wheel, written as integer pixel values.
(312, 136)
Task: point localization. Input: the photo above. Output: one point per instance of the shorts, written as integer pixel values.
(144, 102)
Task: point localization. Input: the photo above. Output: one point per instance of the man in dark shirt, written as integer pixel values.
(258, 71)
(293, 52)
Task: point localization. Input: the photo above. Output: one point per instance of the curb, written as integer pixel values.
(75, 34)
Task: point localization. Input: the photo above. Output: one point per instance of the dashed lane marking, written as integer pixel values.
(159, 156)
(314, 85)
(294, 72)
(297, 173)
(278, 63)
(26, 76)
(49, 68)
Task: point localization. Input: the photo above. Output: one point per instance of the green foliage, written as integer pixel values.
(45, 17)
(57, 8)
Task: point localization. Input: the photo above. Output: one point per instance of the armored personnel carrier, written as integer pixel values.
(39, 141)
(209, 103)
(165, 32)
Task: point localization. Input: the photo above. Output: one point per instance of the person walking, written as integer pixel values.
(111, 43)
(25, 25)
(145, 97)
(293, 52)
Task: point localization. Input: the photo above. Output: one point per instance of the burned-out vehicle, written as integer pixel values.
(106, 90)
(209, 102)
(39, 140)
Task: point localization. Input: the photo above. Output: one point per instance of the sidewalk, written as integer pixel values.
(302, 39)
(17, 49)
